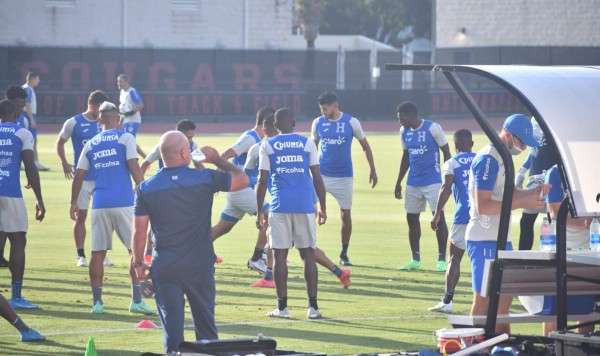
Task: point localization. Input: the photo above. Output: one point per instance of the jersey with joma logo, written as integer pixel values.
(13, 141)
(288, 158)
(80, 130)
(108, 153)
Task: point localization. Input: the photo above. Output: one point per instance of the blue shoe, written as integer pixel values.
(31, 336)
(22, 303)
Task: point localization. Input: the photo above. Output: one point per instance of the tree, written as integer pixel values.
(310, 14)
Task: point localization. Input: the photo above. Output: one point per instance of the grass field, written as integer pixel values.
(384, 310)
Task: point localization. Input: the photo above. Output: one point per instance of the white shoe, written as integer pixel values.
(107, 262)
(41, 167)
(285, 313)
(81, 261)
(313, 313)
(442, 308)
(259, 266)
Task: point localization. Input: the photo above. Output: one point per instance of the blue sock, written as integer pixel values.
(416, 256)
(336, 270)
(269, 274)
(136, 293)
(344, 253)
(16, 289)
(97, 294)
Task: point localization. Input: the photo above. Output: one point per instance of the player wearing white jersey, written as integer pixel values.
(335, 131)
(130, 105)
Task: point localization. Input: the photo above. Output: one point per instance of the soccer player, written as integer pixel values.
(8, 313)
(343, 275)
(130, 106)
(540, 159)
(456, 182)
(16, 146)
(243, 201)
(112, 156)
(18, 96)
(80, 129)
(289, 160)
(335, 131)
(422, 141)
(486, 187)
(33, 80)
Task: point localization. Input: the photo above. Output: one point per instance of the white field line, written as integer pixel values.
(266, 322)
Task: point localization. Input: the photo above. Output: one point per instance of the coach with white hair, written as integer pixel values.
(178, 201)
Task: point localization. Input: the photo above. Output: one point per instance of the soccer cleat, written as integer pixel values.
(81, 261)
(22, 303)
(411, 266)
(442, 308)
(108, 262)
(141, 308)
(41, 167)
(313, 313)
(3, 262)
(345, 261)
(98, 308)
(285, 313)
(218, 259)
(263, 283)
(345, 278)
(31, 336)
(441, 266)
(259, 266)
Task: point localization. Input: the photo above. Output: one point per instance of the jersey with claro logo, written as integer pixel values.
(336, 137)
(459, 166)
(423, 146)
(487, 173)
(80, 130)
(107, 153)
(13, 141)
(288, 158)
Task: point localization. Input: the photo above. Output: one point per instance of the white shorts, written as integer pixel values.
(238, 204)
(341, 189)
(416, 197)
(109, 220)
(13, 214)
(457, 235)
(287, 228)
(85, 195)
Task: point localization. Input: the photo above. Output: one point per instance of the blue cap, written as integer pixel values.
(520, 126)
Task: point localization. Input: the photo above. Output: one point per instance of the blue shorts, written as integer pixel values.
(131, 127)
(479, 252)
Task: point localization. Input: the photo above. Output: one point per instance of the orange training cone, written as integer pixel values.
(146, 324)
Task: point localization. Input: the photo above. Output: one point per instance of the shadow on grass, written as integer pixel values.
(39, 348)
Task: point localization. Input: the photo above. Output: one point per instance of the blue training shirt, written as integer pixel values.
(288, 158)
(107, 153)
(336, 138)
(13, 141)
(460, 166)
(178, 201)
(423, 146)
(242, 146)
(556, 193)
(80, 130)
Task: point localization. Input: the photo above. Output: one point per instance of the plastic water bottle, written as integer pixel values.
(595, 235)
(547, 236)
(197, 155)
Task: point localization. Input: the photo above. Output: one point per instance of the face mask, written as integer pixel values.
(514, 150)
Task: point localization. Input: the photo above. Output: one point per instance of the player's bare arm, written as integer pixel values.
(33, 180)
(60, 150)
(369, 155)
(445, 192)
(404, 165)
